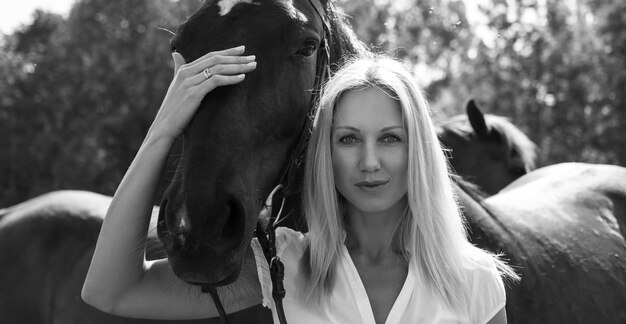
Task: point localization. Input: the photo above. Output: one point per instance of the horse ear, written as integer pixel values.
(477, 119)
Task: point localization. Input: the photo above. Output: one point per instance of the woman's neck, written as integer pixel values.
(370, 235)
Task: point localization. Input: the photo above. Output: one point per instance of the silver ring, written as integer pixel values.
(207, 73)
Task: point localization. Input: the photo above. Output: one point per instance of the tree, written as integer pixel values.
(549, 73)
(79, 94)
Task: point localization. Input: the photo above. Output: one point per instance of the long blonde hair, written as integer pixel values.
(431, 234)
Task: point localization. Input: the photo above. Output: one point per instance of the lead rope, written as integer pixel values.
(216, 300)
(266, 235)
(267, 239)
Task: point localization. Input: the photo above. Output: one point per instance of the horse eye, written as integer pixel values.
(307, 48)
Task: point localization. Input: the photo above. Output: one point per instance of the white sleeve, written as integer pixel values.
(263, 271)
(488, 294)
(284, 237)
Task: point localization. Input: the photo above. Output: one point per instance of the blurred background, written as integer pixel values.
(81, 80)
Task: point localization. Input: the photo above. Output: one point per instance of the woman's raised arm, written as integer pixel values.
(120, 280)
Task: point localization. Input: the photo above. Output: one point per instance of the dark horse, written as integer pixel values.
(46, 245)
(563, 228)
(242, 136)
(487, 150)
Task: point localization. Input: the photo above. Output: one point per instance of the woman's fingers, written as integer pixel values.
(235, 51)
(232, 69)
(222, 70)
(217, 81)
(210, 63)
(178, 61)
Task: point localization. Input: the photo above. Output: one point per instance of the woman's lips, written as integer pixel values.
(371, 185)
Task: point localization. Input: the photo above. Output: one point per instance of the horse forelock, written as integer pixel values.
(227, 5)
(292, 11)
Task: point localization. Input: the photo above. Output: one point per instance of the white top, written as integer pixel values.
(349, 302)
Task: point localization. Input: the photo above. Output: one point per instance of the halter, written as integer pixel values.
(287, 186)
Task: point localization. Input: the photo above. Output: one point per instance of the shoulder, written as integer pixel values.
(479, 260)
(486, 290)
(288, 240)
(290, 248)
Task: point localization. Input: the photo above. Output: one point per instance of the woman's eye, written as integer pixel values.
(391, 139)
(347, 140)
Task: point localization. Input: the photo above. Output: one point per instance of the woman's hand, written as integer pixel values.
(192, 81)
(120, 280)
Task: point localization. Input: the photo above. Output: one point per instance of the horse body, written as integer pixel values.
(563, 229)
(43, 242)
(46, 245)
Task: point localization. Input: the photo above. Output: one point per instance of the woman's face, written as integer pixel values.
(370, 151)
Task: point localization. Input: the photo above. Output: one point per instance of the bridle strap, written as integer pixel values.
(289, 171)
(287, 186)
(267, 240)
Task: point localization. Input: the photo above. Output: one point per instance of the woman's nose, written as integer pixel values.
(370, 160)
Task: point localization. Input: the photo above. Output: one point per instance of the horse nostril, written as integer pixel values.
(177, 220)
(234, 222)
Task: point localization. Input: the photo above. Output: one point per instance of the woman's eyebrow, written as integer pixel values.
(352, 128)
(388, 128)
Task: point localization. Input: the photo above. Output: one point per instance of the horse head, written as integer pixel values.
(486, 149)
(242, 135)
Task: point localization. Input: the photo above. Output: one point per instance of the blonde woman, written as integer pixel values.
(386, 241)
(391, 233)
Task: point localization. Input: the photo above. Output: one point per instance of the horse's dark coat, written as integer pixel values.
(563, 228)
(46, 245)
(487, 150)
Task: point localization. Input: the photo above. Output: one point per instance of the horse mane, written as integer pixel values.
(345, 44)
(515, 140)
(470, 188)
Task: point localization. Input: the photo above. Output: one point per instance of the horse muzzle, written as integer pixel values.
(203, 251)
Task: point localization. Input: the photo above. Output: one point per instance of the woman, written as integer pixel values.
(386, 240)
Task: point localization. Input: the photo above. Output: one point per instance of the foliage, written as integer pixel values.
(78, 93)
